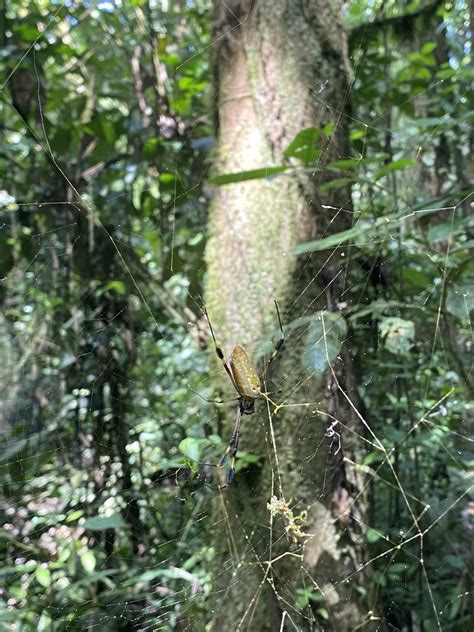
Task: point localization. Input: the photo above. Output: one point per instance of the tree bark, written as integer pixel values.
(285, 528)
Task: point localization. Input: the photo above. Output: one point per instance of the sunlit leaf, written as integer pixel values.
(115, 286)
(74, 515)
(88, 561)
(191, 448)
(398, 334)
(43, 575)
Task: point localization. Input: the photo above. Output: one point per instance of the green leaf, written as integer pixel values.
(460, 298)
(403, 163)
(88, 561)
(137, 189)
(343, 165)
(74, 515)
(253, 174)
(245, 459)
(428, 47)
(372, 535)
(43, 576)
(397, 568)
(198, 238)
(151, 147)
(45, 623)
(167, 178)
(358, 133)
(26, 32)
(446, 230)
(303, 146)
(416, 277)
(372, 457)
(333, 240)
(328, 129)
(323, 340)
(323, 613)
(115, 286)
(335, 184)
(191, 448)
(101, 523)
(398, 334)
(307, 595)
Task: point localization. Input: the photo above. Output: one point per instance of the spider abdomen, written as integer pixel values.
(244, 375)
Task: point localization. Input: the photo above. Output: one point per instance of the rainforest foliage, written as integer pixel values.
(107, 126)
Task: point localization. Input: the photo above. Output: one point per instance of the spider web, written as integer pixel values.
(51, 539)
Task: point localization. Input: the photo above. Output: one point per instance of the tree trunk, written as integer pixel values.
(285, 530)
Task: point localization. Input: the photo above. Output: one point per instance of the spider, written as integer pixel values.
(246, 382)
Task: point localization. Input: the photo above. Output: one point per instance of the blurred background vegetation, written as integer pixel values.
(107, 134)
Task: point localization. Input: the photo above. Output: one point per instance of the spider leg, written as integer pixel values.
(232, 448)
(281, 341)
(221, 401)
(220, 353)
(213, 401)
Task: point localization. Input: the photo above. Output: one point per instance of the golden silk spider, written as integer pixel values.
(246, 382)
